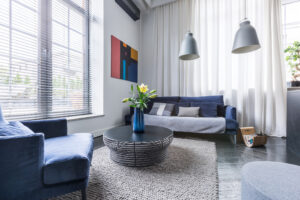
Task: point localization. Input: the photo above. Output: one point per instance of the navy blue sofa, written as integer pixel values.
(226, 111)
(46, 164)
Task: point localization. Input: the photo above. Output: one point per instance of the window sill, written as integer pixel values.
(79, 117)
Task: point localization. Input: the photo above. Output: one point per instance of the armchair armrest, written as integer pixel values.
(21, 162)
(50, 127)
(231, 122)
(230, 112)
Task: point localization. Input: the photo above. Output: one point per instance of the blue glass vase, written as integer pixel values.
(138, 121)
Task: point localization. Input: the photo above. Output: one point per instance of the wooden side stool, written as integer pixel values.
(251, 139)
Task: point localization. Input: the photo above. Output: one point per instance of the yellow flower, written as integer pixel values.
(143, 88)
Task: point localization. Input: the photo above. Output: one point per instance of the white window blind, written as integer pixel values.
(44, 58)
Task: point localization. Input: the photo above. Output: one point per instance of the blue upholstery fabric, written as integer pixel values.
(231, 124)
(270, 181)
(14, 128)
(230, 112)
(217, 99)
(67, 158)
(207, 109)
(21, 162)
(167, 99)
(51, 128)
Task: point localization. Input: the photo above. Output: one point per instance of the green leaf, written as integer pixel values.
(131, 87)
(153, 96)
(125, 100)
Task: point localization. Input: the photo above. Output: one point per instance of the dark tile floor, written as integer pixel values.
(231, 158)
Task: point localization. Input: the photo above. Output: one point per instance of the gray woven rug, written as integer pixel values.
(189, 172)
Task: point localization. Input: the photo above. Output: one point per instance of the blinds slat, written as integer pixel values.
(43, 58)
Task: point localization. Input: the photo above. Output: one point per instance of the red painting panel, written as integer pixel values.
(124, 61)
(115, 57)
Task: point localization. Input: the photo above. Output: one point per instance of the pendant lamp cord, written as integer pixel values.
(245, 9)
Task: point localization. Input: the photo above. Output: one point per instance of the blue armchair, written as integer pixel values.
(46, 164)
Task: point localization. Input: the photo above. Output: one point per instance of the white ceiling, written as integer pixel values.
(149, 4)
(155, 3)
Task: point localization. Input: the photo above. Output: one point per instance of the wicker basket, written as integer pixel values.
(251, 139)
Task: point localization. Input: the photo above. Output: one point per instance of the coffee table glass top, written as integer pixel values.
(126, 134)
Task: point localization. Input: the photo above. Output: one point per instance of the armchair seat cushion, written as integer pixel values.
(67, 158)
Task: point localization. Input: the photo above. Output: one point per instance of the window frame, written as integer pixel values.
(44, 62)
(285, 27)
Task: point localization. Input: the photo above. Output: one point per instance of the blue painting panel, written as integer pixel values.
(132, 72)
(124, 69)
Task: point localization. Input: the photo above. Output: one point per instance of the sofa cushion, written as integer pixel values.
(187, 124)
(163, 109)
(67, 158)
(14, 128)
(180, 104)
(221, 110)
(171, 99)
(167, 99)
(216, 99)
(188, 112)
(207, 109)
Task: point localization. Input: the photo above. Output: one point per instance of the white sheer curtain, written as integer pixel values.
(253, 82)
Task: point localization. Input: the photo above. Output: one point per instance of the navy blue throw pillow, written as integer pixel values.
(207, 109)
(14, 128)
(221, 110)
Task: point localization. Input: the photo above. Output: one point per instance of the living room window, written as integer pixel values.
(291, 26)
(44, 58)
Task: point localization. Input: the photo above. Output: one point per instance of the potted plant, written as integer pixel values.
(139, 100)
(293, 59)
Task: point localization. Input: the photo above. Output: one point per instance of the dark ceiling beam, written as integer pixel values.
(130, 8)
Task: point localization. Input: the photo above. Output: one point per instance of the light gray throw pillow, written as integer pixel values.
(188, 112)
(162, 109)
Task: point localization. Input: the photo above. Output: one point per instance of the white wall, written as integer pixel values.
(119, 24)
(147, 44)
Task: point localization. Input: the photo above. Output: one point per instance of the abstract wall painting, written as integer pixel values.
(124, 61)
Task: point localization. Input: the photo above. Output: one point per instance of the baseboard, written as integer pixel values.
(100, 132)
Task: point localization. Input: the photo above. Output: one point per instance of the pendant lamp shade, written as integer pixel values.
(246, 39)
(188, 49)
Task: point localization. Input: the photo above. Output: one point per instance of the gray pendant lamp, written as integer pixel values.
(246, 39)
(188, 49)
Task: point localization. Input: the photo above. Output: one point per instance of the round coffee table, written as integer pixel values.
(138, 149)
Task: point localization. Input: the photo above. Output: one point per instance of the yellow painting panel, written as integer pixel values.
(134, 54)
